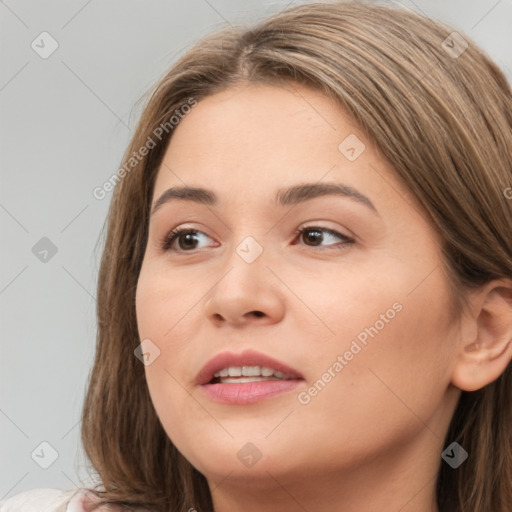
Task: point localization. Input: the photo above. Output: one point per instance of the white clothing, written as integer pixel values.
(46, 500)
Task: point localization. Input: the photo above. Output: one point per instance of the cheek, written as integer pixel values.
(164, 309)
(161, 301)
(385, 395)
(396, 344)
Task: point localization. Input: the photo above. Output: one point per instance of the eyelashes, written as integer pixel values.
(179, 234)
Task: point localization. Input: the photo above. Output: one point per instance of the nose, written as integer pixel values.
(246, 293)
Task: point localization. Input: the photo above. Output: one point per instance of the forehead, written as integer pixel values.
(261, 111)
(252, 139)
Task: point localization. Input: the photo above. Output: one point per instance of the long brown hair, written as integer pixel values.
(438, 111)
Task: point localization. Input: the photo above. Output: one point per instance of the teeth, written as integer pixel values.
(249, 371)
(242, 380)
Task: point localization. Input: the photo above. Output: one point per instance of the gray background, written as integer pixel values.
(65, 122)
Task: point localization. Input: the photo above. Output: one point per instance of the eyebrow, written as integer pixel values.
(284, 196)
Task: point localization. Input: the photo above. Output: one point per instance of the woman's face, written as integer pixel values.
(357, 304)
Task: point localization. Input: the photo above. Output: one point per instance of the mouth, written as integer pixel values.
(246, 378)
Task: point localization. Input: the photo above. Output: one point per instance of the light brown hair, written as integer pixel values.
(444, 122)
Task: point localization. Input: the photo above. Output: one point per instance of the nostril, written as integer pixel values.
(258, 313)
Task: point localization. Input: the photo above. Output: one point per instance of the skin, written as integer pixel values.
(372, 438)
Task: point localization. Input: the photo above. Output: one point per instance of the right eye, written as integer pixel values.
(186, 238)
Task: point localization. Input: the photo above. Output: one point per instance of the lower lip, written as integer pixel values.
(248, 392)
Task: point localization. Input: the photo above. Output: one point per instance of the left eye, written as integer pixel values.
(314, 233)
(186, 238)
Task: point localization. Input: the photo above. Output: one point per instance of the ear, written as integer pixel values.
(485, 348)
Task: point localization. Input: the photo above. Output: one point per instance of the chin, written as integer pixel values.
(252, 458)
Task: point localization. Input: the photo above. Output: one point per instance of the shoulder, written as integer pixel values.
(47, 500)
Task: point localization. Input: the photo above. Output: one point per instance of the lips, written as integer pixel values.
(246, 358)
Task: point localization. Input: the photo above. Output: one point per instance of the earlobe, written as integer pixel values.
(485, 354)
(480, 366)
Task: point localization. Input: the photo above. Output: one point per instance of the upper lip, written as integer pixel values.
(246, 358)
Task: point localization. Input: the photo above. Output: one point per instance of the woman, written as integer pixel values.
(342, 338)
